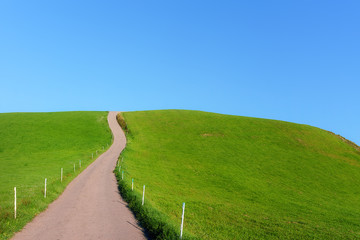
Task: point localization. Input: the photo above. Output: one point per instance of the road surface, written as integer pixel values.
(91, 206)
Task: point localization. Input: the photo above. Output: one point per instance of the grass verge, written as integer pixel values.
(155, 223)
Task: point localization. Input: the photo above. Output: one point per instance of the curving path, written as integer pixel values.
(91, 206)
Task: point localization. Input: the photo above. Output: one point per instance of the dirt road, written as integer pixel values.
(90, 207)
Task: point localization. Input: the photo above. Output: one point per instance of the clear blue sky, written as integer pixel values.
(296, 61)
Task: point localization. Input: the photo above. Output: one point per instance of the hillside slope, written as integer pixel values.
(244, 178)
(35, 146)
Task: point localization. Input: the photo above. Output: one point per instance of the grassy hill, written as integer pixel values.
(34, 146)
(241, 178)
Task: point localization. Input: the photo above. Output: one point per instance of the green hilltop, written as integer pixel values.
(241, 177)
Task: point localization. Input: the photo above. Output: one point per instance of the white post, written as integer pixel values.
(61, 174)
(45, 189)
(143, 198)
(79, 163)
(132, 184)
(182, 221)
(122, 175)
(15, 202)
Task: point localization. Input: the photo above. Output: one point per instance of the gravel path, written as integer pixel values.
(90, 207)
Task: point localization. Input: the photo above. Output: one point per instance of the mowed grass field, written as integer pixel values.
(242, 178)
(35, 146)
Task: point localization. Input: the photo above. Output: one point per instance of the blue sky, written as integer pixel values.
(296, 61)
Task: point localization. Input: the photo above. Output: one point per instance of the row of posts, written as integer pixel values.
(61, 179)
(122, 178)
(143, 197)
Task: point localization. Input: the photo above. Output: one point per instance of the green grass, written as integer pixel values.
(34, 146)
(241, 178)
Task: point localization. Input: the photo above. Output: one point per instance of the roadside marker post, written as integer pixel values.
(132, 184)
(182, 221)
(74, 167)
(143, 198)
(79, 163)
(61, 174)
(45, 189)
(15, 202)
